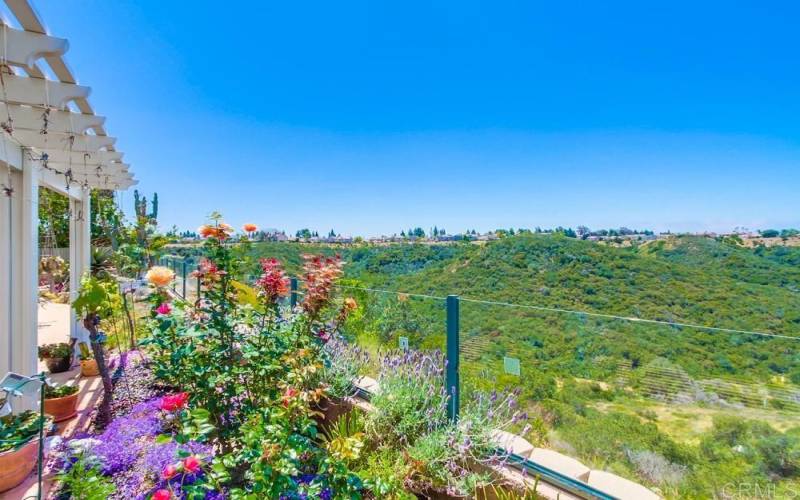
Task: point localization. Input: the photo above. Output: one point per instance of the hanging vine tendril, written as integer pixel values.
(8, 124)
(45, 121)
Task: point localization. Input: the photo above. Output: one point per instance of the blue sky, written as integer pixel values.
(370, 117)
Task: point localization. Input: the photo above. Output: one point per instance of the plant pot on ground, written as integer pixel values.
(89, 366)
(332, 409)
(19, 440)
(57, 357)
(61, 402)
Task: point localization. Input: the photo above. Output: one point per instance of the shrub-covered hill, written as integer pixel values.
(682, 279)
(696, 280)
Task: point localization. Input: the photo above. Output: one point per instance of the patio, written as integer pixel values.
(54, 325)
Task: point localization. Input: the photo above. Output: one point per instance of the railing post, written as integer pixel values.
(198, 281)
(293, 294)
(451, 372)
(184, 278)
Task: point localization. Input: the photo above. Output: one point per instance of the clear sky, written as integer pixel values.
(370, 117)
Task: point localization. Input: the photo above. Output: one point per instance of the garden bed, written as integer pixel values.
(239, 396)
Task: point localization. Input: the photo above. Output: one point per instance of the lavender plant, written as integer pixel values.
(445, 457)
(344, 363)
(412, 400)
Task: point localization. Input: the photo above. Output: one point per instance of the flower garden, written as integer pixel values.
(240, 395)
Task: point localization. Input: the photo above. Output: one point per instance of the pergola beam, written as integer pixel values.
(77, 158)
(80, 143)
(42, 92)
(62, 122)
(91, 168)
(23, 48)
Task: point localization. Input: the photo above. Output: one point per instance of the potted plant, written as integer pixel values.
(19, 440)
(57, 357)
(89, 367)
(61, 402)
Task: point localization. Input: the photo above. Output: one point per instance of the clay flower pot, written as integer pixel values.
(89, 368)
(62, 408)
(15, 465)
(58, 365)
(331, 409)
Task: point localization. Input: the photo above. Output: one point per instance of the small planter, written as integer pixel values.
(332, 409)
(89, 368)
(57, 357)
(63, 408)
(58, 365)
(16, 465)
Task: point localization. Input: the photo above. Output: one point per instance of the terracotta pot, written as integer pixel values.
(58, 365)
(89, 368)
(332, 409)
(62, 408)
(15, 465)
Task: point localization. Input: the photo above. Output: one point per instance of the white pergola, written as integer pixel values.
(72, 157)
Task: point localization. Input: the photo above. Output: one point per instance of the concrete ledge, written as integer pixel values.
(617, 486)
(512, 443)
(368, 384)
(560, 463)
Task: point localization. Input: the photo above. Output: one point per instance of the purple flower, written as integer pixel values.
(120, 443)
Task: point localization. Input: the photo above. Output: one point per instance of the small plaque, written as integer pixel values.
(403, 341)
(511, 365)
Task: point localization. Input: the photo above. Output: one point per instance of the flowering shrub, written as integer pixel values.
(254, 369)
(319, 275)
(273, 283)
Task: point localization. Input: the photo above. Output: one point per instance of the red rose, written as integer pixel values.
(174, 402)
(169, 472)
(290, 393)
(191, 464)
(161, 495)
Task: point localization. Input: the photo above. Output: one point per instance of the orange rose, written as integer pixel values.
(350, 304)
(221, 231)
(160, 276)
(205, 230)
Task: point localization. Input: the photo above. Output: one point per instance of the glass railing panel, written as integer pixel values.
(681, 409)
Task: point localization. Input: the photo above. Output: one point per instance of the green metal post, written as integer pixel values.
(198, 282)
(40, 466)
(451, 372)
(293, 295)
(184, 278)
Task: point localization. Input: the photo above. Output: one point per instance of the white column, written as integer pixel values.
(25, 273)
(79, 254)
(10, 211)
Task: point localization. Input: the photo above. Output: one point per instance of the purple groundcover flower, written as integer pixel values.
(120, 444)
